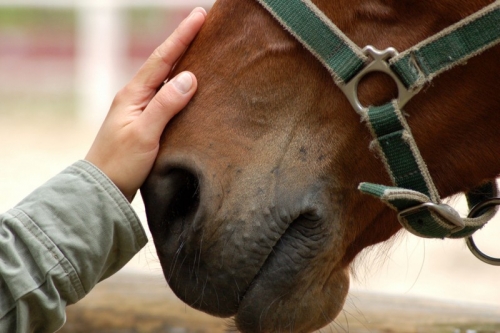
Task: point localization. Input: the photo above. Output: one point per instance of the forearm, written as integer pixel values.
(69, 234)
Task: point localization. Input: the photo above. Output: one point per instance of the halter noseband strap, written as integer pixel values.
(413, 195)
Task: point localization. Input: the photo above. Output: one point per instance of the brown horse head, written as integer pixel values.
(253, 202)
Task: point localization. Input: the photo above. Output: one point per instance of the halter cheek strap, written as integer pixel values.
(413, 195)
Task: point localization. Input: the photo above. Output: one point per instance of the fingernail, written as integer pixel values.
(197, 10)
(183, 82)
(200, 10)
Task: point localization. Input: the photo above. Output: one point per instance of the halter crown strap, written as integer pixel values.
(414, 195)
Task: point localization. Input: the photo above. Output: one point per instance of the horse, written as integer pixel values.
(253, 201)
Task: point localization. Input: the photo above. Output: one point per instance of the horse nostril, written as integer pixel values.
(184, 195)
(172, 199)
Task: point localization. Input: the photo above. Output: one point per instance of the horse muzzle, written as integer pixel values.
(255, 261)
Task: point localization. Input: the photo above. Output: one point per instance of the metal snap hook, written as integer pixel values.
(470, 240)
(379, 64)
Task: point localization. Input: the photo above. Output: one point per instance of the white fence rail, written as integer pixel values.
(101, 41)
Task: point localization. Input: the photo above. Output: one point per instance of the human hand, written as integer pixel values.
(127, 143)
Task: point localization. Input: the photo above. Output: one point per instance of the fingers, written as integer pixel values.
(156, 69)
(172, 98)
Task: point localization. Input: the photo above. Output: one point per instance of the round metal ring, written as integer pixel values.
(378, 64)
(470, 241)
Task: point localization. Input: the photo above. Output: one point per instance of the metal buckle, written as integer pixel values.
(444, 211)
(470, 240)
(379, 64)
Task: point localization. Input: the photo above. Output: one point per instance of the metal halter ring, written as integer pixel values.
(470, 241)
(379, 64)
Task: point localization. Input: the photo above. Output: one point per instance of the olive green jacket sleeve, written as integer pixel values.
(58, 243)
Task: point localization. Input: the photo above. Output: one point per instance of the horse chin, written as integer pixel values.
(277, 302)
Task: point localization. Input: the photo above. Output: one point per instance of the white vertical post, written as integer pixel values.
(101, 47)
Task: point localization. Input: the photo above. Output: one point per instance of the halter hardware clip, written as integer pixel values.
(378, 64)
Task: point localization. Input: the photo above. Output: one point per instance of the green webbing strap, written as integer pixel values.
(320, 36)
(413, 183)
(399, 151)
(421, 63)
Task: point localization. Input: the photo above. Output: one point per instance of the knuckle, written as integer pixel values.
(137, 134)
(119, 97)
(169, 97)
(140, 138)
(157, 53)
(165, 106)
(163, 101)
(179, 39)
(161, 53)
(122, 94)
(169, 93)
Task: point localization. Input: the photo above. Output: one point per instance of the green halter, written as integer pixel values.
(413, 195)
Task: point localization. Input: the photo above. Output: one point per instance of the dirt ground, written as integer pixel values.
(429, 282)
(138, 302)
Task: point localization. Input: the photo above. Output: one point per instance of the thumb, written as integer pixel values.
(169, 100)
